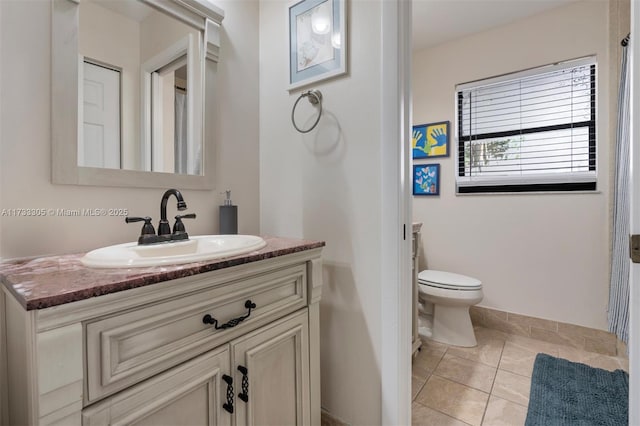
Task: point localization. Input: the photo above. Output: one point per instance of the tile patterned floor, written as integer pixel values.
(485, 385)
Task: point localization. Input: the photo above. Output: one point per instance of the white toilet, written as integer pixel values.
(451, 295)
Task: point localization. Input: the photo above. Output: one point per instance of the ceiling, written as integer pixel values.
(439, 21)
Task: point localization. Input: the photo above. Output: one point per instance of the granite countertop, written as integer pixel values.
(43, 282)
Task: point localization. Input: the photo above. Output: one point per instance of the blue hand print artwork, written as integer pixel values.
(426, 179)
(430, 140)
(439, 136)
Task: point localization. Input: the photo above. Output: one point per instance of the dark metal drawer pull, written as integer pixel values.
(244, 395)
(208, 319)
(229, 404)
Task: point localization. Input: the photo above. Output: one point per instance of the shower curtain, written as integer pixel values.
(188, 153)
(620, 263)
(180, 129)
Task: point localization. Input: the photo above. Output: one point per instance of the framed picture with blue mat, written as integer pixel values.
(317, 41)
(426, 179)
(571, 393)
(430, 140)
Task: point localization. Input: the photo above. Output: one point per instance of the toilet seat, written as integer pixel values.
(448, 281)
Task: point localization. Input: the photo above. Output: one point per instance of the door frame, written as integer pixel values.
(396, 210)
(634, 279)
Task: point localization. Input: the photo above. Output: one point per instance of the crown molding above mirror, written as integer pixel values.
(66, 102)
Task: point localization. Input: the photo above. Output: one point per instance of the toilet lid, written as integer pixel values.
(448, 280)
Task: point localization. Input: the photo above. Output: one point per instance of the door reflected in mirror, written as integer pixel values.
(140, 89)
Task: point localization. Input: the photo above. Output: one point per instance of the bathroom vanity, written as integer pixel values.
(229, 341)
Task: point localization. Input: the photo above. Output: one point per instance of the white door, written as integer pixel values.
(634, 284)
(100, 144)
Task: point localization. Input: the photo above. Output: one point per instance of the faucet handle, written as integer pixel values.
(186, 216)
(179, 232)
(148, 232)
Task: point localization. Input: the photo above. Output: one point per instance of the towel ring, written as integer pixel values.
(315, 98)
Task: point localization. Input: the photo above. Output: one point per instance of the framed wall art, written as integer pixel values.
(430, 140)
(317, 41)
(426, 179)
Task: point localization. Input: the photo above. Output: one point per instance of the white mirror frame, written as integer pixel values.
(65, 100)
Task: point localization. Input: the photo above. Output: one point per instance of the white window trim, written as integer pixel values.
(485, 82)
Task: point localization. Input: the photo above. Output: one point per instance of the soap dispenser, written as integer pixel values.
(228, 216)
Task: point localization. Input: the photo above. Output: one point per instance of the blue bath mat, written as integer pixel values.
(570, 393)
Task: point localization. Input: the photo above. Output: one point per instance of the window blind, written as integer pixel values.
(529, 131)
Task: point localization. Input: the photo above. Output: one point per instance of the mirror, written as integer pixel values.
(127, 92)
(137, 82)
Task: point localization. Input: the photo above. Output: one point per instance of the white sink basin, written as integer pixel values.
(196, 249)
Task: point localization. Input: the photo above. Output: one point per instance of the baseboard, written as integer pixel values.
(329, 420)
(588, 339)
(623, 349)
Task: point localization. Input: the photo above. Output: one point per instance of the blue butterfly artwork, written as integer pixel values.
(426, 179)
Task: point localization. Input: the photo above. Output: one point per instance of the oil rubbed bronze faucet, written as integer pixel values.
(164, 230)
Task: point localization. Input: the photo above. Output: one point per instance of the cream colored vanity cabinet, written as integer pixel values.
(145, 356)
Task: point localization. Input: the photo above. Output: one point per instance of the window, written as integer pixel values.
(533, 130)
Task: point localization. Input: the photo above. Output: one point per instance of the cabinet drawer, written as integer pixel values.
(126, 348)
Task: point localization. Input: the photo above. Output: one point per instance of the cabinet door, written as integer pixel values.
(275, 359)
(190, 394)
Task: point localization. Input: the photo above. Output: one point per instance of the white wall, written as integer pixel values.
(3, 352)
(543, 255)
(158, 32)
(2, 108)
(236, 116)
(25, 155)
(326, 185)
